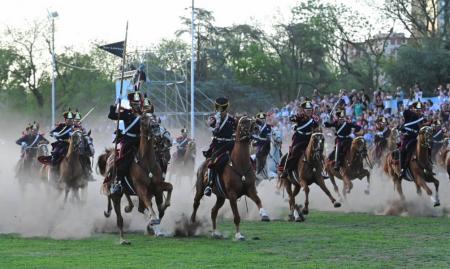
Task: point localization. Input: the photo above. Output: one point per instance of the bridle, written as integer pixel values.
(427, 135)
(150, 130)
(245, 134)
(317, 149)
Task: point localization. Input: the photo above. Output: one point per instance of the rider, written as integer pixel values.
(182, 142)
(262, 141)
(31, 138)
(223, 128)
(61, 133)
(413, 121)
(304, 125)
(88, 151)
(344, 137)
(129, 137)
(382, 132)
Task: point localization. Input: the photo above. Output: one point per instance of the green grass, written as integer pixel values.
(325, 240)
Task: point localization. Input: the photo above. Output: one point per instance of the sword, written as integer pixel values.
(87, 114)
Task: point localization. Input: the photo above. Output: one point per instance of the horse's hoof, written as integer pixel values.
(305, 211)
(436, 204)
(216, 235)
(107, 214)
(290, 217)
(337, 204)
(150, 230)
(300, 218)
(265, 218)
(239, 237)
(366, 192)
(124, 242)
(128, 209)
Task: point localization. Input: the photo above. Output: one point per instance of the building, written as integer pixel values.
(433, 14)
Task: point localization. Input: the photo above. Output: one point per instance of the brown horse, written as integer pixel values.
(309, 170)
(352, 167)
(237, 179)
(71, 176)
(146, 176)
(419, 169)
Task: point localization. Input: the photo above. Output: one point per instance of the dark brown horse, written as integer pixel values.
(236, 180)
(379, 149)
(146, 176)
(444, 156)
(352, 167)
(28, 169)
(419, 169)
(309, 169)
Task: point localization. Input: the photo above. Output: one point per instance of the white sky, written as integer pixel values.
(82, 21)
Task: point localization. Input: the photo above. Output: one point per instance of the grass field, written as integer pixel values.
(325, 240)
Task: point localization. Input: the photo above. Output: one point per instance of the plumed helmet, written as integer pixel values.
(381, 119)
(35, 126)
(184, 130)
(77, 115)
(417, 105)
(68, 115)
(221, 104)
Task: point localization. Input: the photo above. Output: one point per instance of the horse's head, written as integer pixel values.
(77, 141)
(359, 146)
(425, 137)
(89, 143)
(42, 150)
(317, 143)
(246, 128)
(149, 126)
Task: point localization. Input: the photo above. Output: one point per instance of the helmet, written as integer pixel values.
(34, 126)
(417, 105)
(381, 119)
(306, 105)
(261, 116)
(68, 115)
(184, 130)
(221, 104)
(147, 105)
(77, 115)
(340, 114)
(135, 97)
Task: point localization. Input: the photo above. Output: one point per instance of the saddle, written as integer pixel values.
(219, 162)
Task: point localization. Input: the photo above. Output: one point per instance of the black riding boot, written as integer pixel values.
(211, 177)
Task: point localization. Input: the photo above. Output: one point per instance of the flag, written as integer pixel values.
(114, 48)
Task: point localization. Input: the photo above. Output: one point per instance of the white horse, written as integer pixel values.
(274, 157)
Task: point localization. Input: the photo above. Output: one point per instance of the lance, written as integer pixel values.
(87, 114)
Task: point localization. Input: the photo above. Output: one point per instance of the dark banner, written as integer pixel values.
(114, 48)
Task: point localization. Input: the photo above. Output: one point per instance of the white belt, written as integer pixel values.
(131, 135)
(223, 139)
(304, 133)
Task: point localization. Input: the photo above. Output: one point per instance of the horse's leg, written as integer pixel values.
(321, 183)
(167, 187)
(333, 181)
(130, 205)
(367, 174)
(421, 182)
(252, 193)
(214, 211)
(197, 198)
(107, 213)
(288, 187)
(436, 201)
(298, 215)
(237, 218)
(116, 202)
(305, 187)
(398, 186)
(348, 185)
(142, 192)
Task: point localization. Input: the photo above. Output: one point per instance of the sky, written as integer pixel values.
(81, 22)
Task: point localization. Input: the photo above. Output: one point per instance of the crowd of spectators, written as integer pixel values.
(363, 108)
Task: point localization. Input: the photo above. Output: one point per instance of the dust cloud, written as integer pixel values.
(38, 211)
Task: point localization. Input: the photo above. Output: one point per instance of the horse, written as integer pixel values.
(352, 167)
(71, 176)
(29, 167)
(444, 156)
(274, 158)
(419, 168)
(309, 170)
(146, 176)
(184, 166)
(237, 179)
(377, 151)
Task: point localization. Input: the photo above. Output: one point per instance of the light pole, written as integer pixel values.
(52, 16)
(192, 73)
